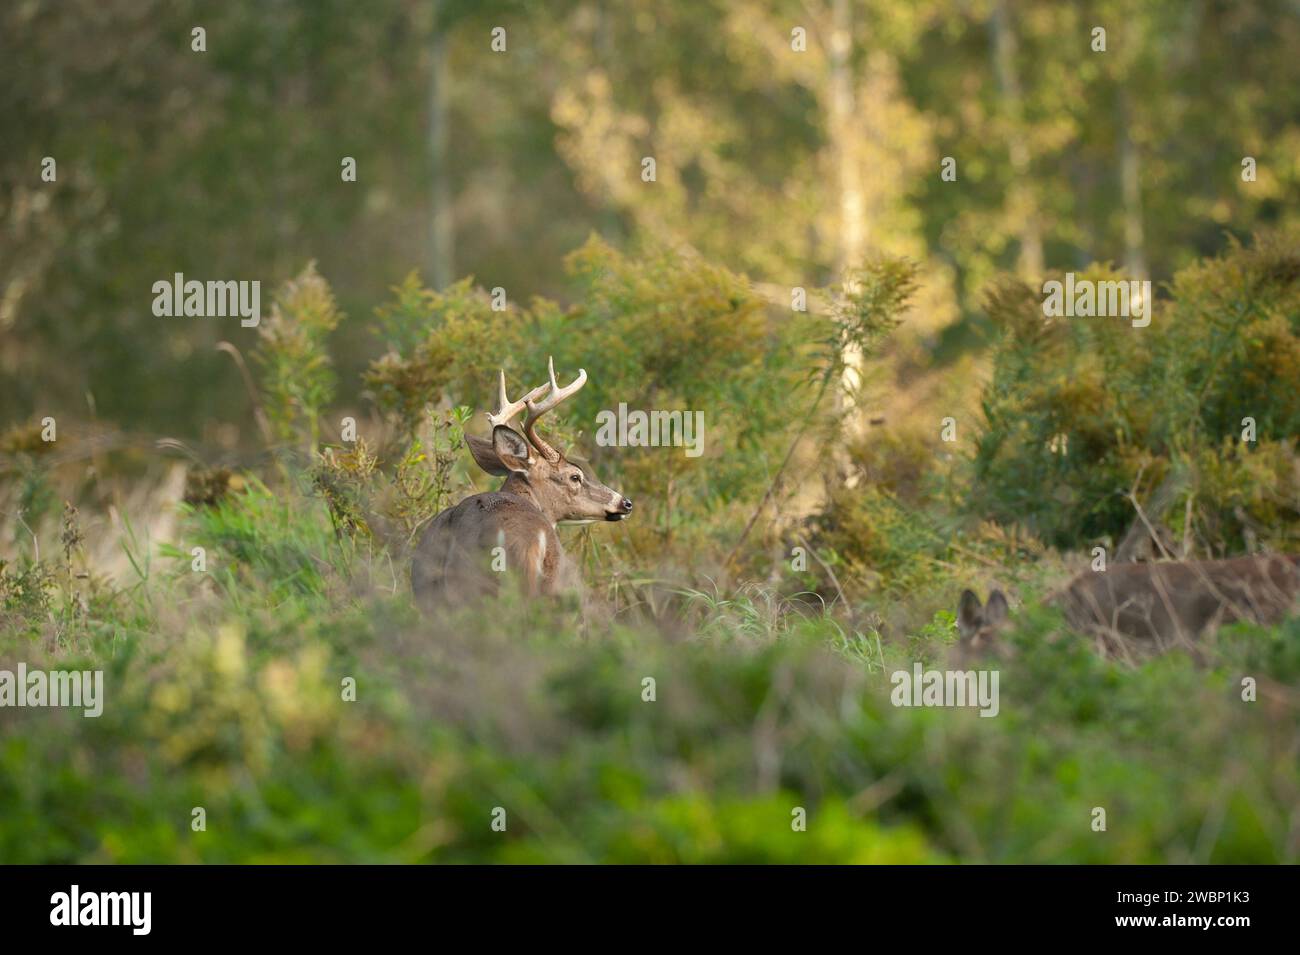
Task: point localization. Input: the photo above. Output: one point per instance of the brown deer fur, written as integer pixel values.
(1153, 606)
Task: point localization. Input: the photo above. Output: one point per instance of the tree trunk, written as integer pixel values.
(843, 129)
(1130, 171)
(1023, 206)
(843, 109)
(441, 221)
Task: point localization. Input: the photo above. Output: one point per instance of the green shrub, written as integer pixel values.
(298, 379)
(1082, 412)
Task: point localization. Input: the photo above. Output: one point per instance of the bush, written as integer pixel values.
(1082, 412)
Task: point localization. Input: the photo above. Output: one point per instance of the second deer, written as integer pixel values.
(1150, 607)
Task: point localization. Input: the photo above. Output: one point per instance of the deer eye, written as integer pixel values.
(575, 477)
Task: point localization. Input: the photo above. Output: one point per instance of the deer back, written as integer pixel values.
(470, 547)
(1175, 601)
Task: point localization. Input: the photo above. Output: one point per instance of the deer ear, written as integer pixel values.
(484, 456)
(995, 611)
(511, 449)
(968, 614)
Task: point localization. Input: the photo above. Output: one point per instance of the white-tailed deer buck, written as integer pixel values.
(1148, 608)
(467, 547)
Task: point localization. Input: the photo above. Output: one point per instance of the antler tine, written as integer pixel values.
(507, 408)
(556, 395)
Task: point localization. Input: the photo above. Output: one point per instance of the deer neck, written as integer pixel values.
(518, 485)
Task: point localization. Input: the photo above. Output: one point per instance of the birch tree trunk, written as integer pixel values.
(843, 131)
(441, 221)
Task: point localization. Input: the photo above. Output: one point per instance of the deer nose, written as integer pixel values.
(627, 506)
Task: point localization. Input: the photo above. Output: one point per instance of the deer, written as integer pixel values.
(1148, 608)
(466, 547)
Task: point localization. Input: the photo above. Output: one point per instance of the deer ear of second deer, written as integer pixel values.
(978, 625)
(468, 547)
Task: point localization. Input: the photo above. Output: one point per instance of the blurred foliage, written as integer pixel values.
(204, 486)
(448, 342)
(1081, 412)
(225, 691)
(226, 164)
(298, 379)
(343, 477)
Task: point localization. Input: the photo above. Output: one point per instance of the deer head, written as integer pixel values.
(979, 625)
(566, 491)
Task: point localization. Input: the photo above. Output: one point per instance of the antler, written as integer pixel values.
(508, 408)
(556, 395)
